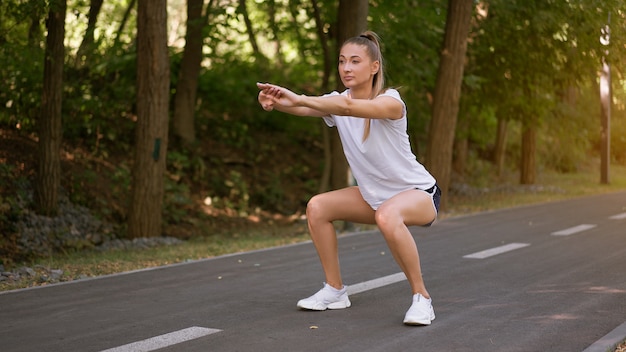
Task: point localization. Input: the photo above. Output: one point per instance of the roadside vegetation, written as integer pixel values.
(245, 234)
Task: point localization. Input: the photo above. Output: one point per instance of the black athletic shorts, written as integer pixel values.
(435, 193)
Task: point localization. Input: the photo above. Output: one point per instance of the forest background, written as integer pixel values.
(528, 103)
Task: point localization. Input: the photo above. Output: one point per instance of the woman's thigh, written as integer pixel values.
(414, 206)
(344, 204)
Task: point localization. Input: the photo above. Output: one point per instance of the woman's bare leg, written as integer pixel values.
(344, 204)
(412, 207)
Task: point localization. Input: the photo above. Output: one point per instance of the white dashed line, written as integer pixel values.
(165, 340)
(496, 250)
(195, 332)
(573, 230)
(376, 283)
(618, 216)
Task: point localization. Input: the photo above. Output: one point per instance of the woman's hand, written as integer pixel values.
(282, 99)
(278, 95)
(266, 101)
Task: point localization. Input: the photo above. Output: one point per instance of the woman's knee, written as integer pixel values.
(387, 219)
(315, 209)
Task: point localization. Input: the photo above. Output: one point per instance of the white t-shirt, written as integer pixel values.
(384, 164)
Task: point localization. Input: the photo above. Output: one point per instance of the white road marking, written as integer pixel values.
(618, 216)
(195, 332)
(165, 340)
(496, 250)
(376, 283)
(573, 230)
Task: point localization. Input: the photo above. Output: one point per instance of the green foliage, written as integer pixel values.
(618, 138)
(98, 106)
(521, 57)
(78, 186)
(22, 45)
(569, 134)
(556, 51)
(238, 195)
(20, 85)
(177, 199)
(182, 166)
(412, 35)
(11, 191)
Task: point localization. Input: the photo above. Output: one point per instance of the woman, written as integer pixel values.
(394, 190)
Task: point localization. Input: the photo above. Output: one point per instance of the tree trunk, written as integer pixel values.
(447, 94)
(326, 132)
(351, 21)
(87, 45)
(461, 148)
(527, 167)
(243, 9)
(328, 59)
(186, 90)
(48, 178)
(120, 29)
(153, 79)
(278, 54)
(606, 96)
(499, 150)
(34, 30)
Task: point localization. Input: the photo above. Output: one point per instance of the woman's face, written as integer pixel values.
(356, 68)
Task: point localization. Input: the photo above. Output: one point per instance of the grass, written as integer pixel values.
(550, 186)
(83, 264)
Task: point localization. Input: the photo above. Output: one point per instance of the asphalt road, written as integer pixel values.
(549, 277)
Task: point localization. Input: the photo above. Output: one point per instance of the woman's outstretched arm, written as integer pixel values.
(269, 99)
(283, 99)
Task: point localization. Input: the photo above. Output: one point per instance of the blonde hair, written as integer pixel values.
(371, 42)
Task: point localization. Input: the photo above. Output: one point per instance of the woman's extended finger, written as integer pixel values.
(265, 85)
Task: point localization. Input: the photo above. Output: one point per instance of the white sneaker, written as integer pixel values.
(326, 298)
(421, 311)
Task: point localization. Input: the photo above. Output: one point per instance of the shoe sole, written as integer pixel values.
(419, 323)
(336, 305)
(339, 305)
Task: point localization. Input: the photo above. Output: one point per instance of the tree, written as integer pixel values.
(120, 30)
(529, 148)
(48, 177)
(187, 87)
(86, 46)
(556, 56)
(153, 79)
(324, 184)
(351, 21)
(243, 9)
(447, 93)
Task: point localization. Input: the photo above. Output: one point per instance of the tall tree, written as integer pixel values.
(447, 93)
(243, 10)
(273, 26)
(153, 80)
(86, 46)
(499, 147)
(351, 21)
(187, 87)
(529, 148)
(557, 51)
(34, 30)
(120, 30)
(48, 178)
(327, 69)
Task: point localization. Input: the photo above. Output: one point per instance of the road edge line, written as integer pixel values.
(610, 341)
